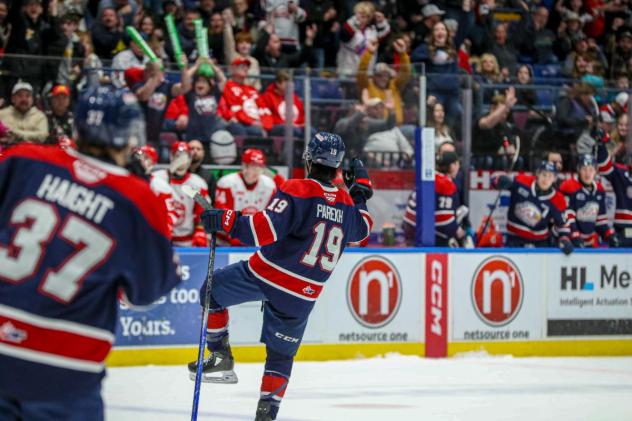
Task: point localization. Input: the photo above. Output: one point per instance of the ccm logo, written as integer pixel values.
(286, 338)
(436, 297)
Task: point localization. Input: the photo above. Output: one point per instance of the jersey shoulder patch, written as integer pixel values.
(559, 201)
(525, 180)
(570, 186)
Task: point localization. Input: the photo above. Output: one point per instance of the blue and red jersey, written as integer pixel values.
(74, 231)
(586, 211)
(302, 234)
(532, 213)
(447, 202)
(621, 181)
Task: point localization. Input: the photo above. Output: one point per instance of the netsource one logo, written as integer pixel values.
(374, 292)
(497, 290)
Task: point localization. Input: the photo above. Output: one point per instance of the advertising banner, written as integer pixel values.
(372, 298)
(589, 294)
(437, 305)
(496, 297)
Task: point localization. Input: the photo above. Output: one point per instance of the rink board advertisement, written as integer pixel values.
(496, 297)
(589, 295)
(369, 298)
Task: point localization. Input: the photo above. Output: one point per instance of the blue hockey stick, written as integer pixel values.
(207, 300)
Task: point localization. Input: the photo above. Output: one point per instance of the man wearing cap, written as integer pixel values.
(59, 115)
(534, 207)
(569, 30)
(535, 39)
(431, 14)
(586, 212)
(385, 81)
(25, 121)
(247, 191)
(623, 53)
(241, 105)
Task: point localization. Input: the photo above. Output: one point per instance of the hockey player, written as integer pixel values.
(75, 228)
(586, 206)
(621, 180)
(534, 205)
(187, 229)
(302, 234)
(247, 191)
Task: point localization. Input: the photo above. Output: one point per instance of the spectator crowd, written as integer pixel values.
(547, 75)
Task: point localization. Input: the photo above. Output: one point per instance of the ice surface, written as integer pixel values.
(396, 388)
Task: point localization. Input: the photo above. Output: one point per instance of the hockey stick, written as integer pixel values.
(493, 208)
(199, 199)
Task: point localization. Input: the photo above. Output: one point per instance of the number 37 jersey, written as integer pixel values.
(302, 234)
(74, 231)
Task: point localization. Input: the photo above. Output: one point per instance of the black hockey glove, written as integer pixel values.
(215, 220)
(362, 189)
(566, 246)
(502, 182)
(613, 241)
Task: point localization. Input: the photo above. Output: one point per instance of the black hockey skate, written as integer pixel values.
(266, 410)
(217, 367)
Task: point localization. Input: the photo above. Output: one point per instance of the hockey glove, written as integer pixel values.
(502, 182)
(199, 238)
(613, 241)
(566, 246)
(362, 189)
(215, 220)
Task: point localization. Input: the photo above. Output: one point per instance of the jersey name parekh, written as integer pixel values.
(75, 198)
(327, 212)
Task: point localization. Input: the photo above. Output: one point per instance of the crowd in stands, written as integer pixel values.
(544, 74)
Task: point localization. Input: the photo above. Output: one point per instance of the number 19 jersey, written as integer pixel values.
(302, 234)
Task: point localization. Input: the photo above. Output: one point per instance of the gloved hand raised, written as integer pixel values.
(215, 220)
(362, 189)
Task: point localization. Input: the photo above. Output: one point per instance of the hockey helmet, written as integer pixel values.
(110, 117)
(253, 156)
(586, 160)
(149, 152)
(180, 159)
(326, 149)
(546, 166)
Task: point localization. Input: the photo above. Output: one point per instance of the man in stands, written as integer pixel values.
(534, 207)
(154, 92)
(187, 230)
(24, 121)
(274, 101)
(241, 104)
(247, 191)
(197, 159)
(60, 119)
(586, 212)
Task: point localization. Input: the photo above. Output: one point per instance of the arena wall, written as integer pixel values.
(427, 302)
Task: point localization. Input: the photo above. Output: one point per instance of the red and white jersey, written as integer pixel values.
(183, 210)
(243, 103)
(232, 193)
(165, 193)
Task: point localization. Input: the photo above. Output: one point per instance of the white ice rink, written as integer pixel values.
(395, 388)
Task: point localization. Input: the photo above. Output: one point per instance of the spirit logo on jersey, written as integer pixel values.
(497, 291)
(529, 213)
(10, 333)
(588, 212)
(374, 292)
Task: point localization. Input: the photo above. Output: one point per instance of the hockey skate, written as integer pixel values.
(216, 368)
(266, 410)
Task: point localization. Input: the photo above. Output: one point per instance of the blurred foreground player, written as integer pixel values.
(71, 223)
(302, 234)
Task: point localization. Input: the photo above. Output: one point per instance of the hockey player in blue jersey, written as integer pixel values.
(75, 230)
(534, 206)
(586, 206)
(302, 234)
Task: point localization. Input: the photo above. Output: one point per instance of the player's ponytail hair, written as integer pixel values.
(322, 173)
